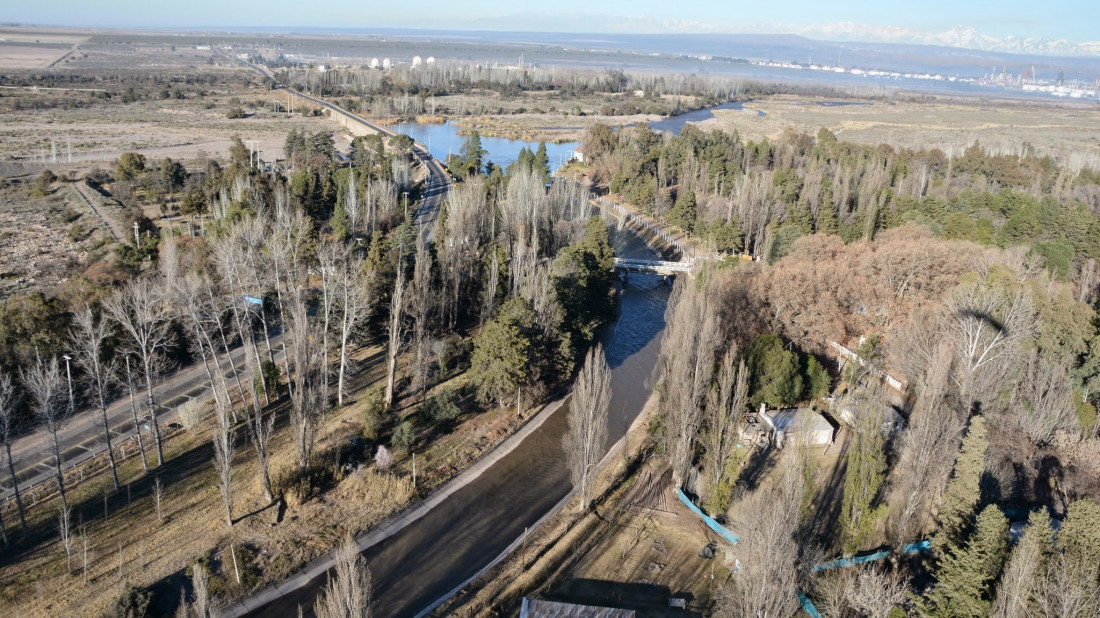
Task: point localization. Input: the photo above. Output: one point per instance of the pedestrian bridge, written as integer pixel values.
(653, 266)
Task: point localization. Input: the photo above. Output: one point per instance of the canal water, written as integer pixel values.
(441, 550)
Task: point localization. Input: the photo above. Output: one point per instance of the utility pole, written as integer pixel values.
(137, 234)
(406, 194)
(69, 374)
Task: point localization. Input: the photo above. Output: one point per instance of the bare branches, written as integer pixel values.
(7, 428)
(724, 410)
(223, 458)
(396, 332)
(141, 310)
(768, 521)
(585, 439)
(875, 593)
(987, 325)
(65, 529)
(1043, 402)
(348, 592)
(43, 381)
(687, 367)
(88, 337)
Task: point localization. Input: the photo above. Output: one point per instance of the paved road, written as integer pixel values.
(439, 181)
(81, 436)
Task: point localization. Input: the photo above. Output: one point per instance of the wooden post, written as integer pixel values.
(236, 571)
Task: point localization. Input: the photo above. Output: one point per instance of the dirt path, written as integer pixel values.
(112, 225)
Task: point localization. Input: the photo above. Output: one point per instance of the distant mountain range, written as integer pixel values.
(961, 37)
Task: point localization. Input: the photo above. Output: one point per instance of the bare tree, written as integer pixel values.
(89, 336)
(352, 299)
(140, 308)
(875, 593)
(65, 529)
(585, 439)
(927, 447)
(725, 407)
(158, 497)
(84, 553)
(200, 580)
(43, 381)
(1064, 593)
(348, 592)
(223, 457)
(1024, 573)
(305, 394)
(687, 363)
(1044, 401)
(396, 332)
(422, 307)
(134, 412)
(768, 521)
(7, 429)
(987, 325)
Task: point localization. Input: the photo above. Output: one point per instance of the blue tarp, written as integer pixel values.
(808, 605)
(918, 547)
(709, 521)
(853, 561)
(912, 548)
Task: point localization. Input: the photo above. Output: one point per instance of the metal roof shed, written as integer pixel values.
(533, 608)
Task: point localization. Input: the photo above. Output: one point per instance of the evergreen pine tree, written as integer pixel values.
(961, 496)
(541, 162)
(964, 576)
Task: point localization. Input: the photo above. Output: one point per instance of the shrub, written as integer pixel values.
(403, 437)
(374, 409)
(191, 415)
(441, 408)
(383, 458)
(132, 603)
(235, 113)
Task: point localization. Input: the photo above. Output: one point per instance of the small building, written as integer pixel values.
(798, 426)
(534, 608)
(578, 154)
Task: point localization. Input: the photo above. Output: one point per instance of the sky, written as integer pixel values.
(1075, 20)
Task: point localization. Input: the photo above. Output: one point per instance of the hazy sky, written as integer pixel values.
(1076, 20)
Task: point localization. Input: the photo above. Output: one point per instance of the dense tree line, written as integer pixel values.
(761, 196)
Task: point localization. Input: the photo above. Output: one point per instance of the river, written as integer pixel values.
(439, 551)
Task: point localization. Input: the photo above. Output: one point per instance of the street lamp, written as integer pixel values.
(69, 374)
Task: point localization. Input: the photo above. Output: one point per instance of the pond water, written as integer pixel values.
(444, 139)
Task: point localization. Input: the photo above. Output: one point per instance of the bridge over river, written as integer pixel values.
(659, 267)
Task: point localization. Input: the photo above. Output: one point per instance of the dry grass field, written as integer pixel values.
(1064, 130)
(45, 238)
(184, 129)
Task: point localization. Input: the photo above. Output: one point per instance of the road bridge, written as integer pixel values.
(659, 267)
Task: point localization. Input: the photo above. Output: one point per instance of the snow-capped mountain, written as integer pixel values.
(963, 37)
